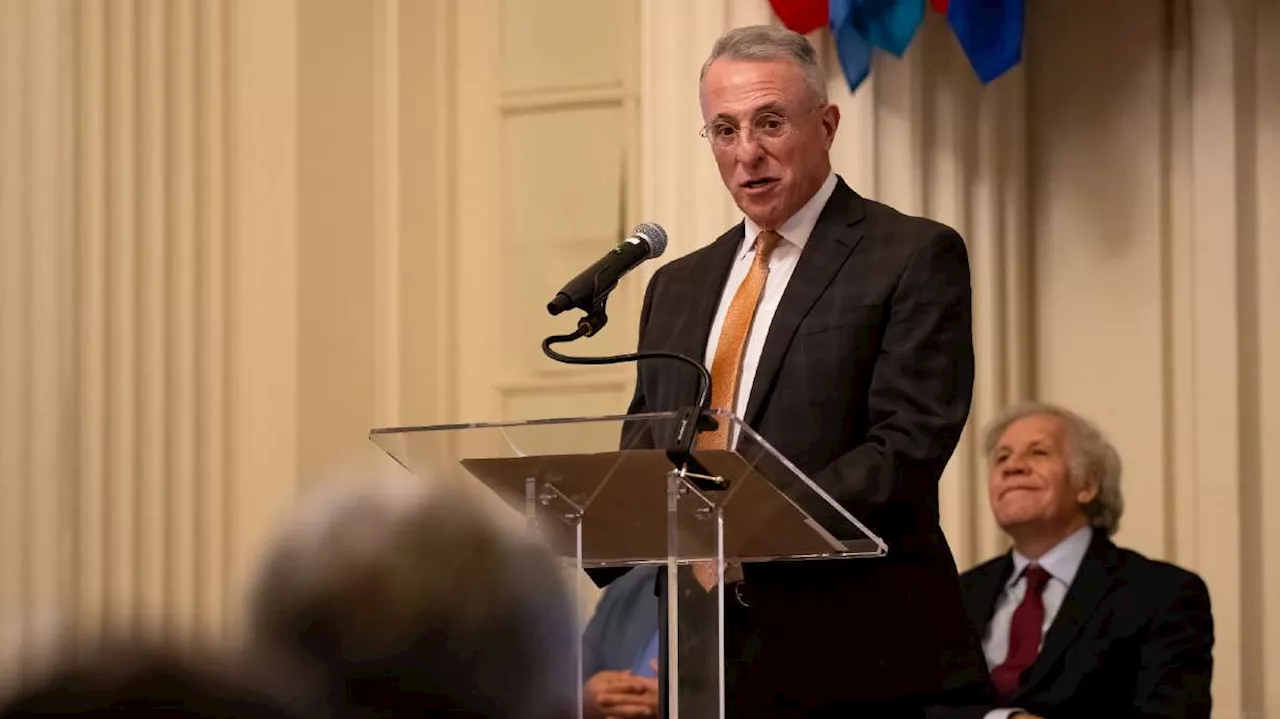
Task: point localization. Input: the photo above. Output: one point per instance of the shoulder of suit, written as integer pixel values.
(894, 224)
(679, 263)
(1157, 575)
(634, 582)
(684, 261)
(982, 571)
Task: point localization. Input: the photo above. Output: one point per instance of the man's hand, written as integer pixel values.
(705, 573)
(619, 695)
(1024, 715)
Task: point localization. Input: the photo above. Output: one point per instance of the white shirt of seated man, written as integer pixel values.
(1037, 502)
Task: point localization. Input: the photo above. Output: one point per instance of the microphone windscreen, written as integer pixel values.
(656, 236)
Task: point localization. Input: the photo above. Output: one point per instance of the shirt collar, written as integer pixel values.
(797, 229)
(1062, 562)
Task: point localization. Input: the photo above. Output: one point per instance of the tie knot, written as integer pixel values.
(1037, 578)
(766, 242)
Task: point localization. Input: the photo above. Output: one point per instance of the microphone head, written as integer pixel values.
(655, 235)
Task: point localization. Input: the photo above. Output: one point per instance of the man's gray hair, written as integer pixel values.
(1091, 458)
(393, 596)
(766, 42)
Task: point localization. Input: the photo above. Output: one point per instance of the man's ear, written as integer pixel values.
(1088, 492)
(830, 123)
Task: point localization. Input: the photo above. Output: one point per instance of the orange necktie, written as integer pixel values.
(726, 372)
(726, 366)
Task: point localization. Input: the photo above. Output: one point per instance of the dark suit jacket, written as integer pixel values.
(1134, 638)
(623, 623)
(864, 382)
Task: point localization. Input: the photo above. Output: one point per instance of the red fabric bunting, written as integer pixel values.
(802, 16)
(939, 5)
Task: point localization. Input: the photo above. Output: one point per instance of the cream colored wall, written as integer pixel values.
(1153, 160)
(190, 284)
(547, 181)
(126, 402)
(238, 234)
(233, 242)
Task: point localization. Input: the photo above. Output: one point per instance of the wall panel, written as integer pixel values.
(1261, 544)
(155, 337)
(548, 181)
(115, 345)
(1097, 177)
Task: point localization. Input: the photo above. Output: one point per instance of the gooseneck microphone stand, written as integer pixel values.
(690, 420)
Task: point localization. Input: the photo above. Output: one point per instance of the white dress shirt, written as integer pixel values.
(782, 263)
(1062, 562)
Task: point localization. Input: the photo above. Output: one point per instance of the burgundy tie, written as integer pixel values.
(1025, 633)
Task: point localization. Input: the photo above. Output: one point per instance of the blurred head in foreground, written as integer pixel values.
(394, 598)
(131, 680)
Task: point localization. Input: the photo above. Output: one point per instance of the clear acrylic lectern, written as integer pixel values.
(605, 502)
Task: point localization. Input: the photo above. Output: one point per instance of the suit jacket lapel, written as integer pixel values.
(982, 604)
(704, 283)
(1092, 583)
(824, 254)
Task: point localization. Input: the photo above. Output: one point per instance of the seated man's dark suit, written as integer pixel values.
(864, 383)
(1133, 638)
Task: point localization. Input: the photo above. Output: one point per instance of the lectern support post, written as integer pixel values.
(546, 495)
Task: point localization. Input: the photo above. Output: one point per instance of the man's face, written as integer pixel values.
(770, 177)
(1030, 484)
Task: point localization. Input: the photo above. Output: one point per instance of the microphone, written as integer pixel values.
(593, 284)
(588, 292)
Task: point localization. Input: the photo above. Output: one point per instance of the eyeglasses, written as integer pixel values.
(765, 127)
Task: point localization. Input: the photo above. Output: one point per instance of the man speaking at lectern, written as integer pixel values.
(839, 329)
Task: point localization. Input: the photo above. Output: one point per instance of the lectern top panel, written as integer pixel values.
(599, 475)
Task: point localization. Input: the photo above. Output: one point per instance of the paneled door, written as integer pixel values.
(548, 181)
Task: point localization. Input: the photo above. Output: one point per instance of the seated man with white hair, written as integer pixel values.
(1071, 624)
(397, 598)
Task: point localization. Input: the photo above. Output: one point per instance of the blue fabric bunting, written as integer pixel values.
(889, 24)
(990, 31)
(852, 48)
